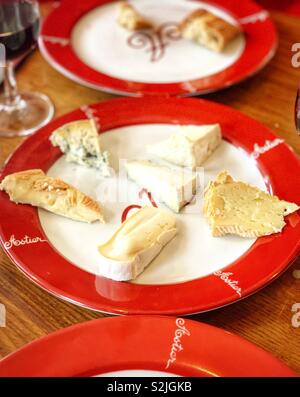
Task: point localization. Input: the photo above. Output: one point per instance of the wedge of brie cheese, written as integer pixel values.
(136, 243)
(190, 146)
(80, 141)
(238, 208)
(175, 188)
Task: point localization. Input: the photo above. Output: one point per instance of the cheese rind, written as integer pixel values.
(80, 141)
(238, 208)
(136, 243)
(190, 146)
(175, 188)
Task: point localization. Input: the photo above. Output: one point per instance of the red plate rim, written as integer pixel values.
(261, 45)
(266, 259)
(106, 345)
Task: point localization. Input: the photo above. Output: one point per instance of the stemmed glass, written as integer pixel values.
(21, 113)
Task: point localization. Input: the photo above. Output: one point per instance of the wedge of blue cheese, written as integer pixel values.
(80, 141)
(173, 187)
(136, 243)
(189, 146)
(234, 207)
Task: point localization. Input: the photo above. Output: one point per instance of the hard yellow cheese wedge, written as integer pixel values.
(238, 208)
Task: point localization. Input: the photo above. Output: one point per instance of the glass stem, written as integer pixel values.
(12, 97)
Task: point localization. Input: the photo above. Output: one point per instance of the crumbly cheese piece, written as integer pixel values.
(208, 29)
(238, 208)
(131, 19)
(190, 146)
(81, 143)
(35, 188)
(175, 188)
(136, 243)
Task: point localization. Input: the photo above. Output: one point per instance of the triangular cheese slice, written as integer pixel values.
(238, 208)
(80, 141)
(190, 146)
(175, 188)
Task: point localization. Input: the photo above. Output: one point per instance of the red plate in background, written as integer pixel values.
(142, 346)
(83, 41)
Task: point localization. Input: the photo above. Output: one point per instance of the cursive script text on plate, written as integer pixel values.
(176, 345)
(24, 241)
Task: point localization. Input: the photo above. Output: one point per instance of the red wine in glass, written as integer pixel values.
(20, 113)
(19, 27)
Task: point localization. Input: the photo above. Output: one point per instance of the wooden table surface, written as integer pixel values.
(265, 318)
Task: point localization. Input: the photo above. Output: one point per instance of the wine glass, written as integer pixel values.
(21, 113)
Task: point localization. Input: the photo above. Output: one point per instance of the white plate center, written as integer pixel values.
(192, 254)
(142, 373)
(161, 57)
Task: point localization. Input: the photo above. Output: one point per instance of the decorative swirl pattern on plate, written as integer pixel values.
(155, 42)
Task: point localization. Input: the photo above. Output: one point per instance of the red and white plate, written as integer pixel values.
(84, 42)
(142, 346)
(195, 272)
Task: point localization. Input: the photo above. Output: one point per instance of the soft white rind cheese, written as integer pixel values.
(175, 188)
(136, 243)
(190, 146)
